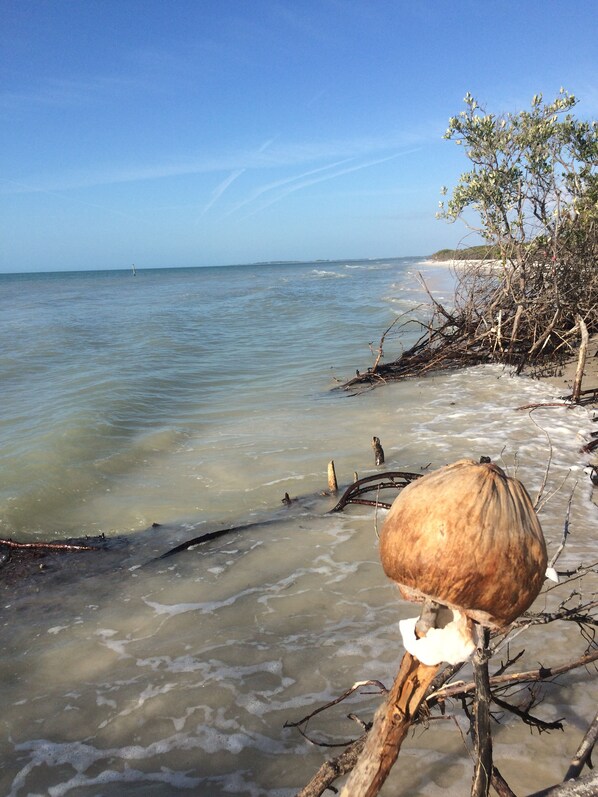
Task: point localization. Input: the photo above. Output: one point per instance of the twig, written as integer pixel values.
(481, 727)
(561, 547)
(541, 674)
(548, 463)
(336, 701)
(529, 719)
(584, 751)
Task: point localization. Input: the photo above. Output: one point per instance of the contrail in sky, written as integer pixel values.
(278, 183)
(304, 183)
(220, 189)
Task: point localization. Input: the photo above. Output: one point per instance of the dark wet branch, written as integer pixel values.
(46, 546)
(381, 689)
(528, 718)
(381, 481)
(482, 734)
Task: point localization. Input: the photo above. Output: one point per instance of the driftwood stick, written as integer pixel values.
(541, 674)
(341, 765)
(332, 482)
(581, 362)
(584, 751)
(500, 785)
(211, 535)
(391, 725)
(331, 770)
(583, 787)
(482, 734)
(46, 546)
(389, 479)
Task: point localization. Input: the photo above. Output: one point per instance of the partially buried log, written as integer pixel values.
(20, 559)
(45, 546)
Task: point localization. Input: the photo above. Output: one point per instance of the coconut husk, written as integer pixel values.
(466, 536)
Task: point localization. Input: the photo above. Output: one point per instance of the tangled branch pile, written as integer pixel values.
(532, 195)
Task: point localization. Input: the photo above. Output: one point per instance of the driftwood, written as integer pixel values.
(391, 725)
(390, 480)
(501, 314)
(332, 482)
(19, 560)
(371, 753)
(583, 350)
(45, 546)
(437, 694)
(584, 751)
(481, 732)
(584, 787)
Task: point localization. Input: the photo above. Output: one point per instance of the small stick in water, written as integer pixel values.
(332, 483)
(378, 451)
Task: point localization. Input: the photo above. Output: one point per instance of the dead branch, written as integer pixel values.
(333, 769)
(481, 732)
(337, 700)
(583, 349)
(381, 481)
(391, 725)
(380, 353)
(584, 751)
(563, 542)
(500, 785)
(526, 717)
(583, 787)
(503, 315)
(540, 674)
(46, 546)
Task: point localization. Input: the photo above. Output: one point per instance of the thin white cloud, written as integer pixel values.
(267, 156)
(64, 93)
(25, 188)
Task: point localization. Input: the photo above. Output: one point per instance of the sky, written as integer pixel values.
(176, 133)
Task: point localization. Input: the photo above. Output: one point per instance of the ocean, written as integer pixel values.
(154, 408)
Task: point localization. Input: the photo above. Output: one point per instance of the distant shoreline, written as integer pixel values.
(481, 253)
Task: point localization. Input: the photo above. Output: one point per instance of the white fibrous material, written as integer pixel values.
(452, 644)
(552, 574)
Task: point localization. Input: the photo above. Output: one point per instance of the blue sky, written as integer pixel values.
(226, 131)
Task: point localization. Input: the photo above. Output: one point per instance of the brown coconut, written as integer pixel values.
(466, 536)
